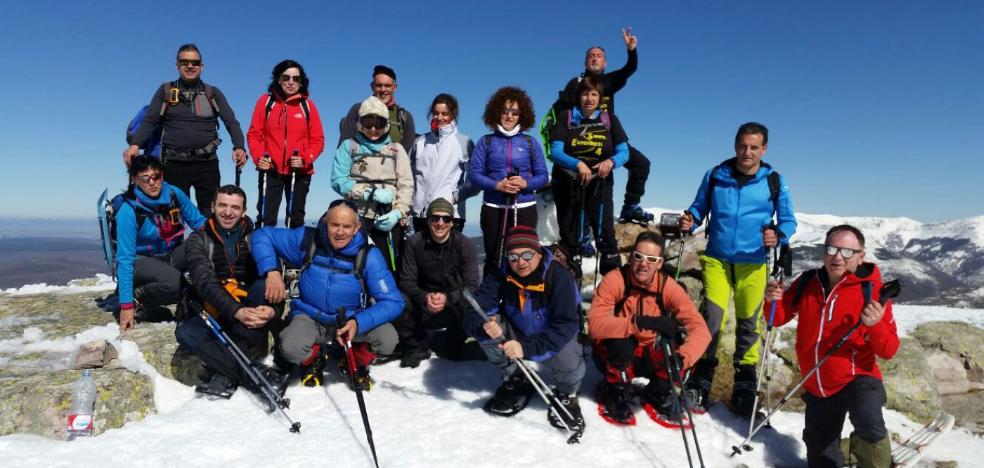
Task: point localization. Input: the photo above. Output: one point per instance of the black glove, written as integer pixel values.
(666, 325)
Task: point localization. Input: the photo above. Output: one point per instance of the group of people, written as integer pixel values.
(358, 276)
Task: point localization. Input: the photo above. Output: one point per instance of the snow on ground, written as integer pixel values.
(908, 317)
(100, 282)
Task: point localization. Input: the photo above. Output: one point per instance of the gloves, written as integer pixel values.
(381, 196)
(664, 324)
(388, 221)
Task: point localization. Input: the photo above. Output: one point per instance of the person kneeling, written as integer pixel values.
(536, 319)
(341, 272)
(227, 286)
(635, 306)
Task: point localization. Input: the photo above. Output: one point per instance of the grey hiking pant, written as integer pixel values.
(303, 332)
(567, 366)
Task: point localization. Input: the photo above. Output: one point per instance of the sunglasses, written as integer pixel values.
(373, 121)
(150, 178)
(845, 252)
(294, 78)
(190, 63)
(526, 255)
(446, 219)
(639, 256)
(513, 112)
(343, 201)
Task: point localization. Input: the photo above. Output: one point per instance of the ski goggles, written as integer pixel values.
(525, 255)
(639, 256)
(285, 78)
(373, 121)
(845, 252)
(444, 218)
(190, 63)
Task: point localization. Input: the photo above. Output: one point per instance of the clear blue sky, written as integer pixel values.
(875, 108)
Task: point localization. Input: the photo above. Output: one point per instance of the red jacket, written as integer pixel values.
(285, 129)
(823, 320)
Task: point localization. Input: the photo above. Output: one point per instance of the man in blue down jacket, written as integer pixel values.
(327, 283)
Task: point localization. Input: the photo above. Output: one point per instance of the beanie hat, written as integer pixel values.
(373, 106)
(522, 236)
(384, 70)
(440, 205)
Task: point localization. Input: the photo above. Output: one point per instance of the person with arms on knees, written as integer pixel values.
(740, 196)
(829, 301)
(635, 306)
(595, 61)
(508, 165)
(285, 138)
(149, 230)
(432, 299)
(586, 146)
(401, 128)
(439, 161)
(228, 287)
(188, 110)
(341, 272)
(374, 173)
(533, 303)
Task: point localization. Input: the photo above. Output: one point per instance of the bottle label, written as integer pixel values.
(80, 422)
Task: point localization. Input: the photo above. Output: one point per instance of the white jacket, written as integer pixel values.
(439, 161)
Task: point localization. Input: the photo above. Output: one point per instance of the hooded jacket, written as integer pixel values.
(361, 164)
(439, 161)
(206, 273)
(285, 129)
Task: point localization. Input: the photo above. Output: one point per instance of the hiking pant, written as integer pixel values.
(157, 283)
(277, 186)
(567, 366)
(387, 242)
(617, 355)
(413, 323)
(747, 281)
(420, 224)
(194, 335)
(862, 399)
(592, 200)
(491, 222)
(638, 168)
(303, 332)
(203, 174)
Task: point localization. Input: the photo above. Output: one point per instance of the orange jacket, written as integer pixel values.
(604, 322)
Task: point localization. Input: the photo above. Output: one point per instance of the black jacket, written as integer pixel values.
(206, 274)
(426, 262)
(613, 83)
(191, 124)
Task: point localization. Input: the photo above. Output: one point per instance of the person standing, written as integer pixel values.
(401, 128)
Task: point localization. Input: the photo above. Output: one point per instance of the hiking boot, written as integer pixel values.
(412, 358)
(313, 374)
(618, 403)
(219, 386)
(743, 394)
(667, 407)
(635, 214)
(697, 399)
(362, 381)
(697, 388)
(511, 397)
(569, 402)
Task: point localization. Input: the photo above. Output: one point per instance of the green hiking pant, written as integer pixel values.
(747, 282)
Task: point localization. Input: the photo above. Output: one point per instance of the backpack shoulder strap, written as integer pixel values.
(774, 186)
(210, 96)
(306, 110)
(606, 119)
(866, 291)
(269, 106)
(801, 285)
(170, 95)
(309, 245)
(570, 118)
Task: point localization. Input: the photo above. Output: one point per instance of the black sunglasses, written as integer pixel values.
(294, 78)
(373, 121)
(445, 218)
(190, 63)
(343, 201)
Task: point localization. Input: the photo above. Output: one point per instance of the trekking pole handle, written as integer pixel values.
(478, 310)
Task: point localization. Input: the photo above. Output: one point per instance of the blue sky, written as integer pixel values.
(874, 108)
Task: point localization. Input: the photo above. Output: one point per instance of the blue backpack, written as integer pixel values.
(153, 145)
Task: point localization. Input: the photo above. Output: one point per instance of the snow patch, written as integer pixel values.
(100, 282)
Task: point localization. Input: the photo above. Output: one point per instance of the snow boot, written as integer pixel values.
(871, 454)
(362, 381)
(698, 387)
(615, 403)
(511, 397)
(743, 393)
(219, 386)
(275, 377)
(666, 411)
(569, 402)
(635, 214)
(412, 357)
(313, 369)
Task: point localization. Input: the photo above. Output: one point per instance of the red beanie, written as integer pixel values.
(522, 236)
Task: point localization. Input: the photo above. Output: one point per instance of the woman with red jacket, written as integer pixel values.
(828, 302)
(285, 137)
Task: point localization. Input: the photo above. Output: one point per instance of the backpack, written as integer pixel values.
(173, 213)
(153, 145)
(271, 101)
(624, 270)
(358, 261)
(606, 119)
(774, 186)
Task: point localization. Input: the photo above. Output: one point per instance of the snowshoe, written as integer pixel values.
(615, 403)
(275, 377)
(570, 403)
(510, 398)
(666, 412)
(743, 394)
(635, 214)
(218, 387)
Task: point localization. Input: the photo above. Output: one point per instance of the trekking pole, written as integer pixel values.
(261, 383)
(775, 271)
(239, 174)
(263, 193)
(683, 240)
(888, 291)
(598, 234)
(505, 218)
(290, 193)
(350, 358)
(680, 398)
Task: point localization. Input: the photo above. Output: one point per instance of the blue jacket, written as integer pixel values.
(156, 236)
(491, 163)
(739, 214)
(329, 282)
(546, 322)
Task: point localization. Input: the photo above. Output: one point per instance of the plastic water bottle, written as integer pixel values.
(83, 398)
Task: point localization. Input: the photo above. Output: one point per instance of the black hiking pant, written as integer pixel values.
(491, 222)
(863, 399)
(157, 283)
(203, 174)
(638, 167)
(277, 188)
(390, 244)
(594, 200)
(617, 355)
(413, 323)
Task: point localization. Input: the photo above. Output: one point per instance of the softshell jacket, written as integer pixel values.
(329, 281)
(439, 161)
(612, 83)
(605, 322)
(825, 317)
(284, 130)
(738, 214)
(191, 123)
(425, 264)
(490, 163)
(361, 164)
(207, 272)
(156, 236)
(544, 315)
